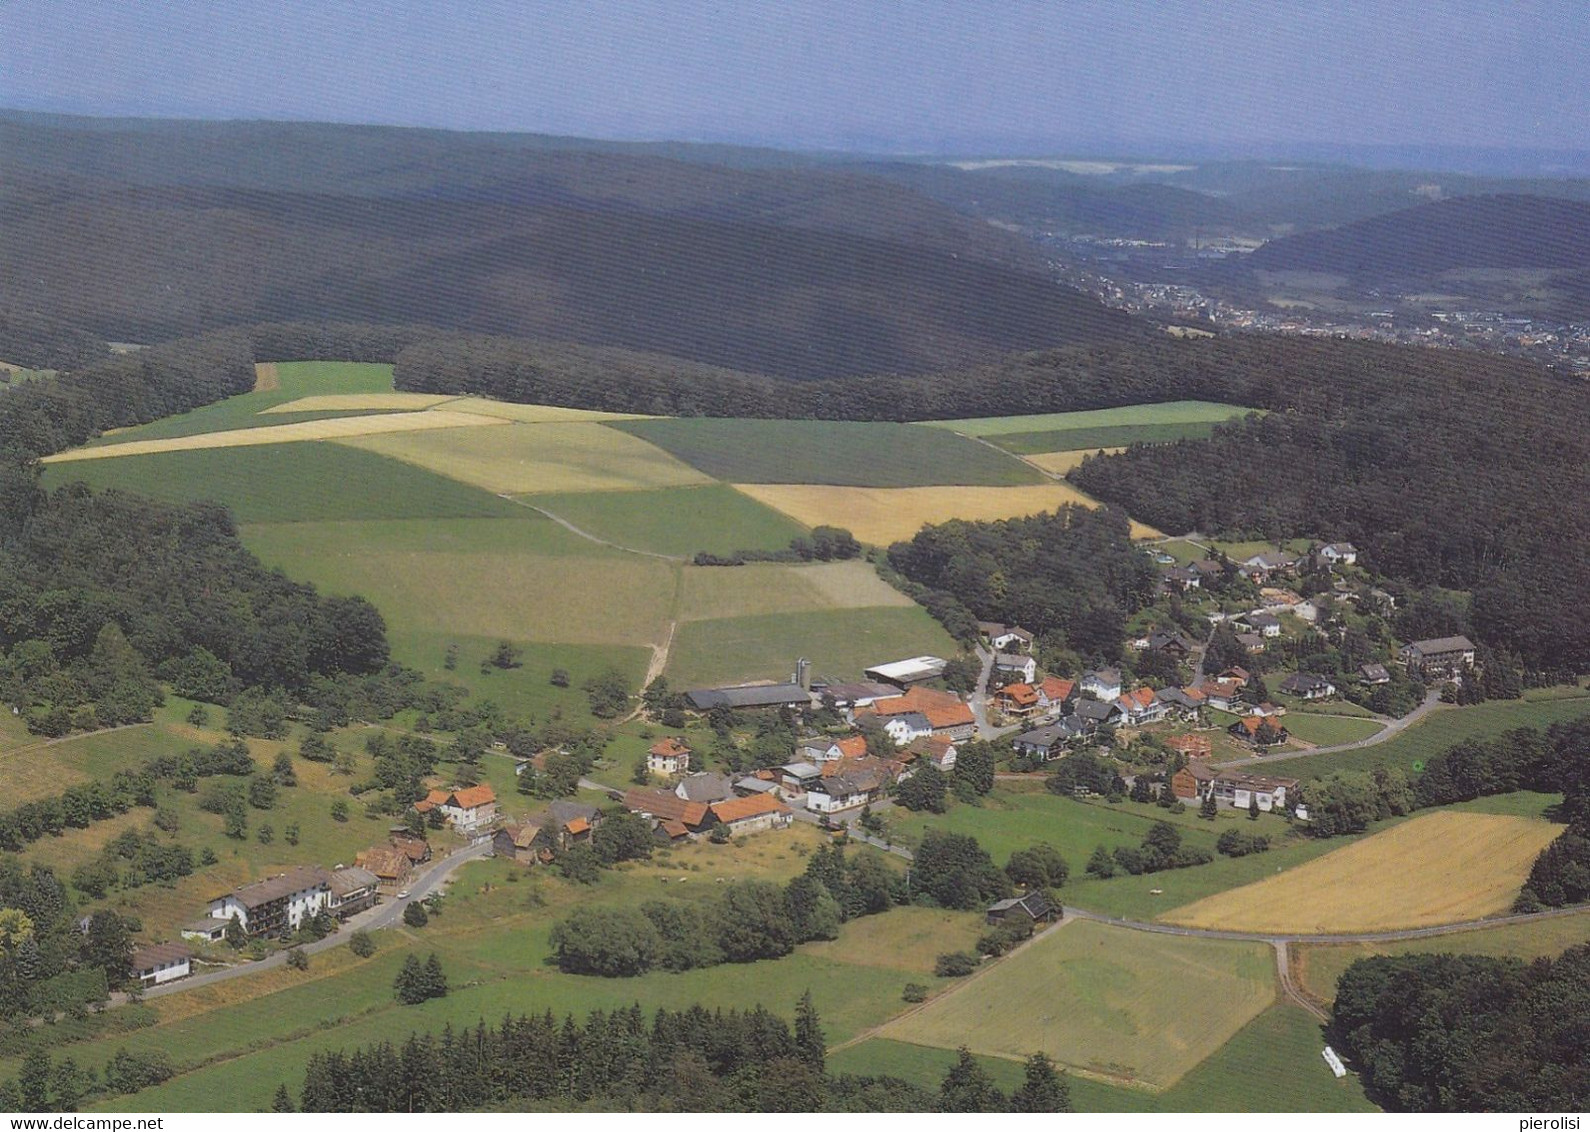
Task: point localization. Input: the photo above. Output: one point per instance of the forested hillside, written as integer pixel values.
(1504, 231)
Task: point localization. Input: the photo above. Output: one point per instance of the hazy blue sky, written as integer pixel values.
(907, 74)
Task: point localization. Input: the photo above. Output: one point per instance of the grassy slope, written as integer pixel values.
(839, 643)
(1165, 412)
(289, 482)
(863, 454)
(1435, 733)
(1328, 730)
(298, 379)
(680, 521)
(1272, 1064)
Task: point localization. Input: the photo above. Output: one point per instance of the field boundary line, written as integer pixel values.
(585, 534)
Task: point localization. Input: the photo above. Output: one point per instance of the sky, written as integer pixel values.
(976, 76)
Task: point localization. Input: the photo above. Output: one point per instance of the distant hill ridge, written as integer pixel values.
(1502, 231)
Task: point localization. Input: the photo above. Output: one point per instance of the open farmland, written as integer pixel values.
(839, 643)
(288, 483)
(539, 414)
(518, 579)
(523, 458)
(884, 515)
(1093, 429)
(679, 520)
(1320, 965)
(709, 592)
(328, 428)
(844, 453)
(1109, 1002)
(359, 402)
(1439, 868)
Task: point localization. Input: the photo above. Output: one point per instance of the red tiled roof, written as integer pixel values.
(1022, 695)
(577, 825)
(1057, 689)
(739, 809)
(474, 796)
(671, 747)
(852, 746)
(923, 700)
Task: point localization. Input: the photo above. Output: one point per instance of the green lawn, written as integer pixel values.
(296, 482)
(1272, 1064)
(1165, 412)
(677, 520)
(1329, 730)
(298, 379)
(851, 453)
(1436, 732)
(840, 643)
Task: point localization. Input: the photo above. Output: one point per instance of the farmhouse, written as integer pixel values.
(1019, 700)
(904, 673)
(844, 792)
(1339, 553)
(390, 866)
(706, 786)
(518, 843)
(277, 904)
(1102, 684)
(1016, 664)
(844, 696)
(414, 846)
(944, 712)
(750, 696)
(1005, 638)
(828, 750)
(572, 823)
(933, 749)
(1259, 730)
(797, 778)
(1373, 674)
(466, 809)
(1033, 908)
(907, 727)
(753, 815)
(1440, 657)
(353, 889)
(1308, 686)
(161, 963)
(1045, 743)
(665, 805)
(668, 756)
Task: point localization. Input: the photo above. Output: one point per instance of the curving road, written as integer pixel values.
(384, 915)
(1395, 727)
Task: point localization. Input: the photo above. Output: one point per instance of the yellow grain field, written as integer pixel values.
(539, 414)
(1438, 869)
(881, 515)
(266, 378)
(744, 591)
(334, 428)
(1059, 463)
(361, 402)
(525, 458)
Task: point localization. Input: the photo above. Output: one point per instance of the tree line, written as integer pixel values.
(1467, 1033)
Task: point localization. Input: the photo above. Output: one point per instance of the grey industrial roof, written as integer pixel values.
(749, 696)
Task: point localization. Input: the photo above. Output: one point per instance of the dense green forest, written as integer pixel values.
(35, 341)
(1467, 1033)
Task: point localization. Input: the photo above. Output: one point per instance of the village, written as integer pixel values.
(1173, 729)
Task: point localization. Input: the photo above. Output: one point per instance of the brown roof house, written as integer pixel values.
(753, 815)
(161, 963)
(389, 864)
(522, 843)
(669, 756)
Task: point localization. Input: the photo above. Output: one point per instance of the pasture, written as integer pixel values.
(517, 459)
(1438, 868)
(841, 453)
(1320, 965)
(288, 483)
(839, 643)
(524, 580)
(1165, 412)
(678, 520)
(327, 428)
(1437, 731)
(709, 592)
(904, 939)
(1128, 1007)
(1329, 730)
(880, 516)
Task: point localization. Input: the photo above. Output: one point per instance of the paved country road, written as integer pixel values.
(383, 915)
(1391, 730)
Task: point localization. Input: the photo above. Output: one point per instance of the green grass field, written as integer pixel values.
(1092, 439)
(1166, 412)
(761, 589)
(1128, 1007)
(289, 483)
(1321, 966)
(839, 643)
(1272, 1064)
(1328, 730)
(298, 379)
(844, 453)
(678, 521)
(1436, 732)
